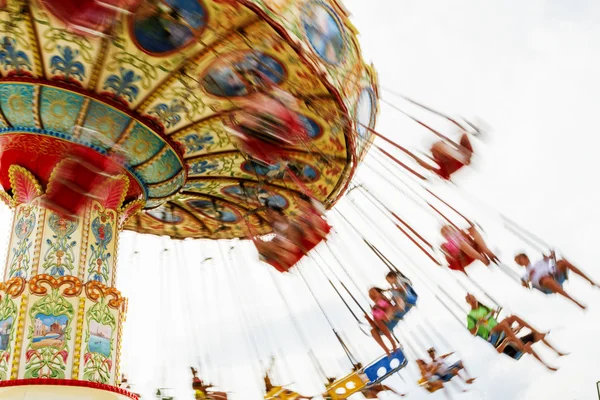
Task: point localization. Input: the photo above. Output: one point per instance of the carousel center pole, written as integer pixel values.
(61, 316)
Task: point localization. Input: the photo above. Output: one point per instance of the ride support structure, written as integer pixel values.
(61, 315)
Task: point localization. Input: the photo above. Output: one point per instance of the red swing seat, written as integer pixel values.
(74, 181)
(264, 126)
(89, 17)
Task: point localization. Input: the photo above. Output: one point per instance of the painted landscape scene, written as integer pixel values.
(100, 336)
(49, 330)
(5, 328)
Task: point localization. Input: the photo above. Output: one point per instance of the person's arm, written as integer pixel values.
(400, 304)
(472, 325)
(446, 355)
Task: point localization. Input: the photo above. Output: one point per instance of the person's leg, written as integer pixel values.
(513, 340)
(462, 368)
(382, 327)
(481, 243)
(377, 336)
(541, 337)
(537, 335)
(549, 283)
(529, 350)
(563, 266)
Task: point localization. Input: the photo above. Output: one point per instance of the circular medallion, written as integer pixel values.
(162, 27)
(312, 128)
(365, 115)
(250, 195)
(214, 210)
(304, 171)
(164, 215)
(233, 74)
(324, 32)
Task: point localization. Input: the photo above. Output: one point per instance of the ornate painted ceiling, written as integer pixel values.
(162, 81)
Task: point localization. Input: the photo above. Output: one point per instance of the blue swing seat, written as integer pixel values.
(379, 370)
(496, 340)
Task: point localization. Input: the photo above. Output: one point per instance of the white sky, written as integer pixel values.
(529, 69)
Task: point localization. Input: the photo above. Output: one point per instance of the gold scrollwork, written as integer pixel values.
(13, 287)
(95, 290)
(74, 285)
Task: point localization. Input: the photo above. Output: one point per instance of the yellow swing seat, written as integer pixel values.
(347, 386)
(280, 393)
(427, 386)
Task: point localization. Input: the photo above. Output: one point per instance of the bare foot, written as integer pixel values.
(470, 381)
(552, 368)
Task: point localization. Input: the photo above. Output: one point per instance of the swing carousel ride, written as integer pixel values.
(236, 121)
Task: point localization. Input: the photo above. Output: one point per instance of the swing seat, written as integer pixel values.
(386, 366)
(447, 167)
(279, 264)
(264, 126)
(458, 263)
(309, 242)
(265, 152)
(498, 339)
(74, 181)
(280, 393)
(347, 386)
(88, 17)
(281, 125)
(425, 384)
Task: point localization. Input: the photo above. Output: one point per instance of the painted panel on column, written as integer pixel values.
(48, 337)
(101, 247)
(101, 325)
(8, 315)
(60, 246)
(21, 253)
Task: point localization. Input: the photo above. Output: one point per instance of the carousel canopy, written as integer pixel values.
(158, 80)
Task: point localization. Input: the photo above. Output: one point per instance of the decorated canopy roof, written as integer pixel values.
(159, 86)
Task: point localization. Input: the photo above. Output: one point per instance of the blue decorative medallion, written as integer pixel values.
(214, 210)
(324, 32)
(162, 27)
(233, 74)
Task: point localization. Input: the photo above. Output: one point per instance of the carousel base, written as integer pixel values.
(59, 389)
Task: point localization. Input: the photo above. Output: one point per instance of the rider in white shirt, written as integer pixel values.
(542, 268)
(548, 275)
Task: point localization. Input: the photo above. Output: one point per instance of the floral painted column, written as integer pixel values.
(60, 315)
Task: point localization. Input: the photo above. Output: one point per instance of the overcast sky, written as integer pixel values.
(530, 71)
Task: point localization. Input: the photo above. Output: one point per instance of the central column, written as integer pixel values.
(60, 314)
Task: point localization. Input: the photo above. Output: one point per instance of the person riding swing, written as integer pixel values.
(463, 247)
(201, 389)
(482, 321)
(549, 274)
(385, 317)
